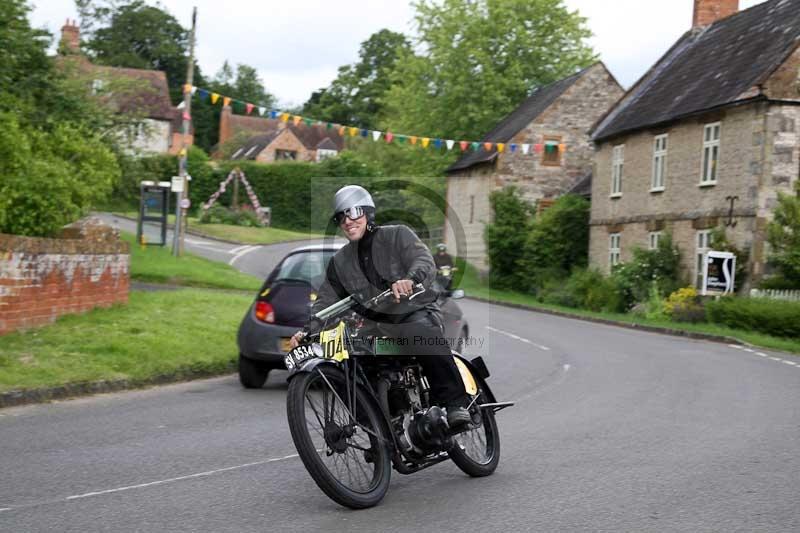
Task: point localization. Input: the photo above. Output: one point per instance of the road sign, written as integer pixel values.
(719, 270)
(186, 203)
(177, 184)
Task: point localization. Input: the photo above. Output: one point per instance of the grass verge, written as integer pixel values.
(473, 285)
(156, 333)
(242, 234)
(156, 264)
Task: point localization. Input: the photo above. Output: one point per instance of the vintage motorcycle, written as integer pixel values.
(357, 408)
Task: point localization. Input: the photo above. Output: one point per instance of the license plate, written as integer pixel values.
(286, 344)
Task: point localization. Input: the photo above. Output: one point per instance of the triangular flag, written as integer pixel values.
(297, 119)
(262, 110)
(194, 90)
(328, 125)
(284, 117)
(538, 148)
(437, 143)
(389, 136)
(364, 132)
(214, 98)
(308, 121)
(476, 145)
(562, 148)
(273, 114)
(187, 88)
(186, 116)
(226, 101)
(341, 130)
(464, 145)
(513, 147)
(248, 108)
(487, 146)
(526, 148)
(202, 93)
(376, 135)
(425, 141)
(449, 143)
(353, 131)
(413, 139)
(402, 139)
(501, 147)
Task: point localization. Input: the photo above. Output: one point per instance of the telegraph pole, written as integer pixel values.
(180, 210)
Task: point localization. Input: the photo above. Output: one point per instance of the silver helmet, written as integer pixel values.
(351, 196)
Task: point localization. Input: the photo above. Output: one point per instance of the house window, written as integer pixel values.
(324, 153)
(703, 246)
(659, 163)
(617, 163)
(551, 155)
(613, 249)
(652, 240)
(710, 153)
(281, 155)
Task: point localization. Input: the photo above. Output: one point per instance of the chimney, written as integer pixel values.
(709, 11)
(70, 38)
(225, 132)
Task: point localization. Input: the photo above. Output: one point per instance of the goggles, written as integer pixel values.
(353, 213)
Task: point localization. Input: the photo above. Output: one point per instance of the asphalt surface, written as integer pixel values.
(614, 430)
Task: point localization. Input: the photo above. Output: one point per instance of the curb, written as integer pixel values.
(212, 237)
(629, 325)
(71, 390)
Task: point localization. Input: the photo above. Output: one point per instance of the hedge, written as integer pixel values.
(773, 317)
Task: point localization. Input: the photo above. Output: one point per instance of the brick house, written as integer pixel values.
(266, 140)
(561, 113)
(162, 129)
(706, 138)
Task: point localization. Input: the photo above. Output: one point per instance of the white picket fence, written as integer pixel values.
(792, 296)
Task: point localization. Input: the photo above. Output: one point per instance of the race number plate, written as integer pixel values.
(333, 343)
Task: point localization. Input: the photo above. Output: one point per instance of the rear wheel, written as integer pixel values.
(252, 374)
(462, 340)
(477, 451)
(349, 461)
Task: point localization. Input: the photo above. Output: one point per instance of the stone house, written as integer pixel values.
(161, 125)
(705, 139)
(266, 140)
(558, 117)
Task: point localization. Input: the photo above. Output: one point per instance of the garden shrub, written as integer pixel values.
(783, 234)
(585, 288)
(685, 305)
(660, 266)
(505, 237)
(773, 317)
(218, 214)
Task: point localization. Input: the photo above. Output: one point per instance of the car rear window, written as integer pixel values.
(304, 266)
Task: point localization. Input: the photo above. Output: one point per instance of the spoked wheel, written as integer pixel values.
(349, 461)
(477, 451)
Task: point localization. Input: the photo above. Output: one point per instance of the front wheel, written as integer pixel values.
(349, 460)
(477, 451)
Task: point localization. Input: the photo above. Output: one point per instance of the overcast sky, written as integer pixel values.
(297, 46)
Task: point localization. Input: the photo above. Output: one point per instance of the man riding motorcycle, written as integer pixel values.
(377, 258)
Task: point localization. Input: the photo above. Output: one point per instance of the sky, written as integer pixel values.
(298, 46)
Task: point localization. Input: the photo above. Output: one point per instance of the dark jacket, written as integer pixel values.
(396, 253)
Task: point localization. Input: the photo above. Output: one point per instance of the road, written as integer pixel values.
(614, 430)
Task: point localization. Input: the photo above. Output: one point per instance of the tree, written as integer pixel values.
(505, 236)
(482, 58)
(783, 235)
(355, 96)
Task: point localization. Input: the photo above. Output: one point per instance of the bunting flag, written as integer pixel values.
(353, 131)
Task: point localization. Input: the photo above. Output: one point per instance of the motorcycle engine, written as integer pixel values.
(425, 432)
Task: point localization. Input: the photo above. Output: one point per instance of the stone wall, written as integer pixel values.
(41, 279)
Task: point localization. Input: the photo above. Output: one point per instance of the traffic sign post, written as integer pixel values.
(153, 207)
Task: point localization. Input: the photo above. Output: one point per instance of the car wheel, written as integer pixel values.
(462, 340)
(252, 374)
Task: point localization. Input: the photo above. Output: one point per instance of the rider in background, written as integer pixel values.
(378, 258)
(442, 258)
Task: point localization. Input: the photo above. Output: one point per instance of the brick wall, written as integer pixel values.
(41, 279)
(287, 140)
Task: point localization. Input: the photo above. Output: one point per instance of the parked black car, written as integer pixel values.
(282, 306)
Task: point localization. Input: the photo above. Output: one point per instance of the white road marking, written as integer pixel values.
(776, 358)
(180, 478)
(4, 509)
(517, 337)
(762, 354)
(238, 249)
(242, 252)
(566, 368)
(735, 346)
(790, 363)
(748, 350)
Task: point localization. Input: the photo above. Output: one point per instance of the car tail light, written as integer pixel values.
(265, 312)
